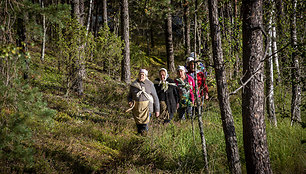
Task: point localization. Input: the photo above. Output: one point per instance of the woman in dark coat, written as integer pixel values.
(168, 95)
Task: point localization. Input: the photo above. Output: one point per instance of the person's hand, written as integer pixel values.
(177, 105)
(156, 114)
(130, 104)
(206, 96)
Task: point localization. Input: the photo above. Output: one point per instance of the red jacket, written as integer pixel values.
(202, 86)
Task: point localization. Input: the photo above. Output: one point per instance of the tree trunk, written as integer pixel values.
(203, 141)
(270, 78)
(126, 74)
(169, 41)
(43, 45)
(82, 13)
(236, 40)
(97, 25)
(274, 49)
(104, 12)
(89, 16)
(296, 74)
(273, 40)
(199, 35)
(20, 41)
(279, 14)
(254, 128)
(152, 36)
(187, 27)
(223, 96)
(80, 73)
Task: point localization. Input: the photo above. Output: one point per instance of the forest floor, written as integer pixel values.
(94, 134)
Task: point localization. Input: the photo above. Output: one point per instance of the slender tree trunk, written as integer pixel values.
(148, 37)
(89, 16)
(126, 74)
(223, 96)
(279, 15)
(203, 141)
(43, 45)
(295, 72)
(152, 36)
(273, 40)
(274, 49)
(169, 41)
(187, 27)
(104, 12)
(270, 78)
(21, 41)
(236, 40)
(97, 25)
(254, 128)
(82, 12)
(78, 11)
(199, 41)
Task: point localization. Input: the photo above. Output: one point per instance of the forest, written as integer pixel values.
(69, 70)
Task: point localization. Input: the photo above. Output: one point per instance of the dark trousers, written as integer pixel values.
(143, 127)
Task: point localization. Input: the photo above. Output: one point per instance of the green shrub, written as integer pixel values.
(108, 52)
(22, 109)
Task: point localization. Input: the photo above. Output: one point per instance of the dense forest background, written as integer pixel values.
(66, 66)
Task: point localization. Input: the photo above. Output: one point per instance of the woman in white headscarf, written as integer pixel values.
(186, 86)
(168, 95)
(142, 97)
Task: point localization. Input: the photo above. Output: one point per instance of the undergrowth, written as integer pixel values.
(93, 133)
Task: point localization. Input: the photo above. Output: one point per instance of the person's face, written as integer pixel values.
(191, 66)
(162, 75)
(181, 73)
(142, 77)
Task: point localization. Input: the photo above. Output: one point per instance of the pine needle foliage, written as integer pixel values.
(108, 52)
(22, 108)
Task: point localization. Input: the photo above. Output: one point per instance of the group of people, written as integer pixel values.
(166, 96)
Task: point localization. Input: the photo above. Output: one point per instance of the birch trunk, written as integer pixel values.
(274, 44)
(43, 45)
(89, 16)
(270, 78)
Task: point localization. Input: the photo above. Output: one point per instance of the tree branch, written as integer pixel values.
(265, 57)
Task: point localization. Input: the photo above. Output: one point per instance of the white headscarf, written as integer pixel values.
(164, 69)
(143, 71)
(192, 54)
(181, 68)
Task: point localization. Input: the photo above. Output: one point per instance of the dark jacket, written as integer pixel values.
(171, 94)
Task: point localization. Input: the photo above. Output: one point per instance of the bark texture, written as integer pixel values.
(254, 128)
(203, 140)
(80, 72)
(104, 12)
(270, 77)
(187, 27)
(44, 27)
(169, 41)
(295, 72)
(126, 74)
(223, 96)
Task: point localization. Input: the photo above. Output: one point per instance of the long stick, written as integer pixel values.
(197, 97)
